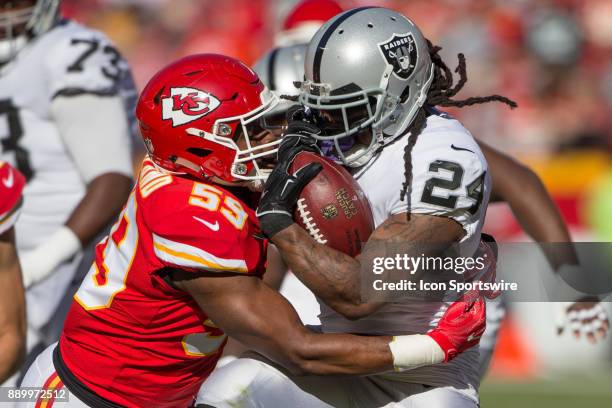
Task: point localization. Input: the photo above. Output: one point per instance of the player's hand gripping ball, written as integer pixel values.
(323, 197)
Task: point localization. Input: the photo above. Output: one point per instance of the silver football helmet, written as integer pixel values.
(282, 71)
(367, 68)
(36, 19)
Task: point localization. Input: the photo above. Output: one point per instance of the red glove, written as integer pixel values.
(487, 251)
(461, 326)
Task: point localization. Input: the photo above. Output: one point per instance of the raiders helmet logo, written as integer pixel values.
(187, 104)
(401, 52)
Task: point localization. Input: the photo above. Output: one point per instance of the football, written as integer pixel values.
(332, 207)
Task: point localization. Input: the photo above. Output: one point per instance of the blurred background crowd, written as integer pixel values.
(554, 57)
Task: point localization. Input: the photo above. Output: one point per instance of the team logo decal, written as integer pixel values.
(401, 52)
(187, 104)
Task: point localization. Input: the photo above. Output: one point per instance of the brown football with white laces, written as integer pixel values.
(332, 207)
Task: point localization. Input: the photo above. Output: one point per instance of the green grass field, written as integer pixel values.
(574, 392)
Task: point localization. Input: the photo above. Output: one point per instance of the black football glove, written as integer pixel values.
(300, 128)
(282, 189)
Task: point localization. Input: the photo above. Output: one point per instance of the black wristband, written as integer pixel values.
(271, 224)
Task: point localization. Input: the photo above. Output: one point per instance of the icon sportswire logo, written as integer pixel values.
(187, 104)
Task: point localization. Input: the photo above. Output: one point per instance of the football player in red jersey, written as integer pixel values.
(181, 268)
(12, 301)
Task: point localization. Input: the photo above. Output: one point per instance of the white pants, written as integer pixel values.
(247, 382)
(42, 374)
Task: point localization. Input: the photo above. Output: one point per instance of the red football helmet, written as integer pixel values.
(305, 19)
(193, 113)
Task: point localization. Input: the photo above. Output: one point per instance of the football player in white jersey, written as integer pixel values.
(447, 185)
(64, 125)
(372, 81)
(512, 182)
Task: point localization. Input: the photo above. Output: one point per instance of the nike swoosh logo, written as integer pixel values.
(214, 227)
(462, 148)
(9, 180)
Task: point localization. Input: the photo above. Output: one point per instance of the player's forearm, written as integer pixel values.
(333, 276)
(328, 354)
(12, 309)
(103, 200)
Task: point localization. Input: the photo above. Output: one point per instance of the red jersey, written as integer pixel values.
(11, 187)
(130, 337)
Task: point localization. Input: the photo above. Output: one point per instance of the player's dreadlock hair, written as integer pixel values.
(440, 93)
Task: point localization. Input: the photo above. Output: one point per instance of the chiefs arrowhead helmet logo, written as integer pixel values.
(187, 104)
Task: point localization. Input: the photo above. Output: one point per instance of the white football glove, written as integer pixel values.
(38, 263)
(583, 317)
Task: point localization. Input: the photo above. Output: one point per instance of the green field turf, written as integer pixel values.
(575, 392)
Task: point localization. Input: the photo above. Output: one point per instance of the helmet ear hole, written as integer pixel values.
(157, 97)
(199, 152)
(405, 94)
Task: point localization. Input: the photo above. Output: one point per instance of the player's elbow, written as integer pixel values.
(524, 180)
(302, 354)
(532, 180)
(304, 358)
(297, 358)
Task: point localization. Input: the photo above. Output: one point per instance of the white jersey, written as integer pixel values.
(450, 179)
(69, 60)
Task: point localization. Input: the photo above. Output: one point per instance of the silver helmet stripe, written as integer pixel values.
(316, 72)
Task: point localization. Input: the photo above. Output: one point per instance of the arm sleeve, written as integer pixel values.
(96, 132)
(92, 93)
